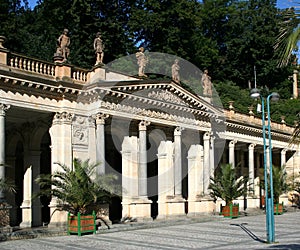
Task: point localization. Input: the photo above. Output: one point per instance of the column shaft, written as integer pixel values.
(143, 158)
(100, 142)
(178, 161)
(251, 166)
(3, 109)
(206, 163)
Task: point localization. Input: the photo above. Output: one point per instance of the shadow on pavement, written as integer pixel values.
(252, 235)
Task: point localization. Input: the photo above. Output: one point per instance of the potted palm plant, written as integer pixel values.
(80, 191)
(9, 186)
(226, 186)
(279, 187)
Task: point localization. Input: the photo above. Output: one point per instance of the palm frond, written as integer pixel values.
(288, 37)
(78, 189)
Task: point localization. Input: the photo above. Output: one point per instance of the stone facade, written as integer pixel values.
(160, 139)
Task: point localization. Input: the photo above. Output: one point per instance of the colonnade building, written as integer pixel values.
(162, 140)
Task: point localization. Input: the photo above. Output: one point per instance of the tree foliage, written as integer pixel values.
(228, 37)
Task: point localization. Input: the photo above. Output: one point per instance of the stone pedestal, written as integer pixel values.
(171, 207)
(139, 209)
(200, 206)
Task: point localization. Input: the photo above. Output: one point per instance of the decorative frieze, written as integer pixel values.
(166, 96)
(155, 114)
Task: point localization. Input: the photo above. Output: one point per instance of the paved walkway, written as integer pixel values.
(246, 232)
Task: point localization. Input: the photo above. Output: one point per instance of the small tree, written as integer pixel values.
(226, 186)
(79, 189)
(279, 182)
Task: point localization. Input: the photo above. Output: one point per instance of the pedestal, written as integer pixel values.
(171, 207)
(139, 209)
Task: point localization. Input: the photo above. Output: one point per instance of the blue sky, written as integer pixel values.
(282, 4)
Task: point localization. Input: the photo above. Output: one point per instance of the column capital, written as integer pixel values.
(232, 143)
(143, 125)
(3, 108)
(63, 117)
(100, 118)
(206, 136)
(283, 151)
(251, 146)
(178, 130)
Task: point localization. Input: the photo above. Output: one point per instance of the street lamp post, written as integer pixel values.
(269, 201)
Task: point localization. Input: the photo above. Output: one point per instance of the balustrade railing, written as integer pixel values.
(79, 74)
(31, 65)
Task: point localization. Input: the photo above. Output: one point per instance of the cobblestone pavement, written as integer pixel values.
(248, 232)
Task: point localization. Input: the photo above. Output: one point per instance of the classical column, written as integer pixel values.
(31, 209)
(143, 159)
(268, 158)
(206, 162)
(133, 204)
(61, 151)
(251, 166)
(212, 156)
(177, 161)
(283, 157)
(100, 141)
(231, 153)
(3, 109)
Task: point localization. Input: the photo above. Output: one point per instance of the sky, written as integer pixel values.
(282, 4)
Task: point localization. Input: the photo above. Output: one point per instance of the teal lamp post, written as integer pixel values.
(269, 201)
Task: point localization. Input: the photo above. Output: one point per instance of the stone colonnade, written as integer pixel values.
(135, 200)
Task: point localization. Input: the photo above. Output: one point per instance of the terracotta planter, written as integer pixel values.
(231, 211)
(80, 224)
(278, 208)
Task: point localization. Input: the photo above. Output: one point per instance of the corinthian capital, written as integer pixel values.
(3, 108)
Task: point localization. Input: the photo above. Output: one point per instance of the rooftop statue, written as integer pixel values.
(63, 43)
(99, 47)
(206, 84)
(175, 71)
(142, 61)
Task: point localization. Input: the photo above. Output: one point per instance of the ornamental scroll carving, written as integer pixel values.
(80, 130)
(166, 96)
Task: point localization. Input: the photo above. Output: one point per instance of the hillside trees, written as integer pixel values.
(228, 37)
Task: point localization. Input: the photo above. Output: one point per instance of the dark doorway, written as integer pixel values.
(19, 174)
(45, 168)
(113, 165)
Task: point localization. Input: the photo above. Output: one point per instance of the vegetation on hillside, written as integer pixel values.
(229, 38)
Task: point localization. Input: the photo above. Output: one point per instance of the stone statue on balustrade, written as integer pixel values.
(99, 49)
(142, 61)
(63, 43)
(175, 71)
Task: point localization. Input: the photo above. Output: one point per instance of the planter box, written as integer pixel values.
(79, 224)
(231, 211)
(278, 208)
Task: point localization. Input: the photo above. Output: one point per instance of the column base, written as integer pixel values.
(171, 207)
(201, 206)
(138, 209)
(58, 218)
